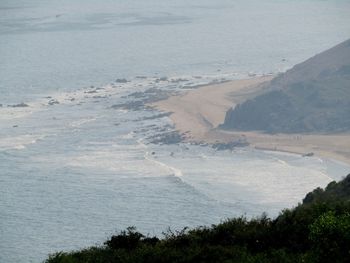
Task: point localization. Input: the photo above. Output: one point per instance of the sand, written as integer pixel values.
(197, 114)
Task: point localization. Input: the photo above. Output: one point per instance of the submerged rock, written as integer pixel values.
(308, 154)
(121, 80)
(53, 102)
(20, 105)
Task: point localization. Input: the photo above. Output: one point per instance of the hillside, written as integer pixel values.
(313, 96)
(318, 230)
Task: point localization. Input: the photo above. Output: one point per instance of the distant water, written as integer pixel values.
(74, 168)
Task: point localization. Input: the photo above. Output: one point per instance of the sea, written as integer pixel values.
(82, 156)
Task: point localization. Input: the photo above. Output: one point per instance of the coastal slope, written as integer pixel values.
(313, 96)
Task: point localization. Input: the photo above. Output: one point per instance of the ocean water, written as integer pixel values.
(75, 167)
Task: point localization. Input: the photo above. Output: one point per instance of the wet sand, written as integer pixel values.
(197, 114)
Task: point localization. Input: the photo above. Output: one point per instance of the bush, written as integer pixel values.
(316, 231)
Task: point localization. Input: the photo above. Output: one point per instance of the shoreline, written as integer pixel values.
(197, 113)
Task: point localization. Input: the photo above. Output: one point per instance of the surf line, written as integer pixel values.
(174, 171)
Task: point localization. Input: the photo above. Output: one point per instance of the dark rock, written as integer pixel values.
(137, 94)
(139, 100)
(230, 145)
(53, 102)
(172, 137)
(178, 80)
(308, 154)
(121, 80)
(20, 105)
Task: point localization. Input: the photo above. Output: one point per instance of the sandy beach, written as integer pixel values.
(197, 114)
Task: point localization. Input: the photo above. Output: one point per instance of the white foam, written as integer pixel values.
(227, 177)
(9, 113)
(124, 161)
(129, 135)
(18, 142)
(80, 122)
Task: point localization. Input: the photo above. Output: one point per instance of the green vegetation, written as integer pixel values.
(314, 96)
(318, 230)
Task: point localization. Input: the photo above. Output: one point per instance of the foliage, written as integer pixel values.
(330, 236)
(316, 231)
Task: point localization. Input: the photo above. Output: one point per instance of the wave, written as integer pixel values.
(173, 171)
(148, 156)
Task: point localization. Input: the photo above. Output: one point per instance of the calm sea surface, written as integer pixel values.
(75, 168)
